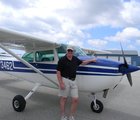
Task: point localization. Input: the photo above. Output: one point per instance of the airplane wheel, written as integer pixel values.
(98, 108)
(19, 103)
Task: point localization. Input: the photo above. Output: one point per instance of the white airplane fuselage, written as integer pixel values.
(95, 77)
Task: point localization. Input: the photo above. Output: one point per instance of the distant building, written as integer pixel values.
(116, 55)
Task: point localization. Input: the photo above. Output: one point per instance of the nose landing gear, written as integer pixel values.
(96, 105)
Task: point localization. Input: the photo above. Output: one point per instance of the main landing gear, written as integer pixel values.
(19, 102)
(96, 105)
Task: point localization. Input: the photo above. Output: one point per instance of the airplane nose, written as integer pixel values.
(128, 68)
(132, 68)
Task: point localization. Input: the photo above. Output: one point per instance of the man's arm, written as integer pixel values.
(59, 77)
(85, 62)
(61, 83)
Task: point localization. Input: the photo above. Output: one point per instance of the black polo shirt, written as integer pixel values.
(68, 67)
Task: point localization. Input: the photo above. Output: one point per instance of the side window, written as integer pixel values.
(29, 57)
(44, 56)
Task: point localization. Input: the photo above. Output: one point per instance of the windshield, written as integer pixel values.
(77, 51)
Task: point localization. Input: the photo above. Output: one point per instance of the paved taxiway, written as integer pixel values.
(123, 103)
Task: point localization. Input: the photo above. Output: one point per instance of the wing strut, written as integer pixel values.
(27, 64)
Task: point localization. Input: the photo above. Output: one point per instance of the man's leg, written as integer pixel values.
(75, 99)
(74, 104)
(62, 105)
(63, 96)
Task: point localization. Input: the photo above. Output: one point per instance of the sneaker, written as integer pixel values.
(64, 118)
(71, 118)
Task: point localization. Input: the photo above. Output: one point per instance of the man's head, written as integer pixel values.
(69, 51)
(69, 48)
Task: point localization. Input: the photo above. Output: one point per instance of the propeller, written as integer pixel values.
(125, 66)
(129, 78)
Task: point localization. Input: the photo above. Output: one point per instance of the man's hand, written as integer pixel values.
(94, 60)
(62, 85)
(85, 62)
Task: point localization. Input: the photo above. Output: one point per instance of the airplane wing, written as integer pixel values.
(17, 40)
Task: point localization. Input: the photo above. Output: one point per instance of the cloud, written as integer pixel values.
(129, 37)
(97, 43)
(130, 13)
(126, 35)
(138, 42)
(131, 47)
(18, 4)
(76, 42)
(67, 20)
(94, 12)
(80, 13)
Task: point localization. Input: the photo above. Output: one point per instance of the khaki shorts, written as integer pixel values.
(71, 88)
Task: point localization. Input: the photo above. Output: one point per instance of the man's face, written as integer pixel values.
(69, 52)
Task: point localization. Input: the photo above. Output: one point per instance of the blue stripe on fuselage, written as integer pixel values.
(104, 70)
(17, 66)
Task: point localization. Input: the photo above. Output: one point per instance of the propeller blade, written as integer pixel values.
(126, 65)
(125, 62)
(129, 79)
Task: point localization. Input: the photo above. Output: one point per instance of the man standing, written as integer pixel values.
(66, 74)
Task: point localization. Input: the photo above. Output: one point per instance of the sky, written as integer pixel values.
(92, 24)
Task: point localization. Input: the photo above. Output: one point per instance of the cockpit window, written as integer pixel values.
(44, 56)
(48, 55)
(29, 57)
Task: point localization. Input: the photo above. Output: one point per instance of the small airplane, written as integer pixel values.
(38, 65)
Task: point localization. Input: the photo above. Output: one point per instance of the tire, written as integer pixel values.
(99, 107)
(19, 103)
